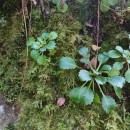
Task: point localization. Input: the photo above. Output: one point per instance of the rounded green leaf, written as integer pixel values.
(114, 54)
(126, 53)
(108, 103)
(113, 72)
(36, 45)
(45, 35)
(118, 65)
(41, 60)
(43, 49)
(40, 39)
(52, 36)
(84, 52)
(81, 95)
(106, 68)
(102, 58)
(84, 75)
(118, 92)
(67, 63)
(127, 75)
(101, 80)
(117, 81)
(30, 41)
(51, 45)
(119, 48)
(34, 54)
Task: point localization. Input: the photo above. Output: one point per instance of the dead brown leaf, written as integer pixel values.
(94, 62)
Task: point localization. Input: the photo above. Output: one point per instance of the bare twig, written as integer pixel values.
(30, 20)
(25, 15)
(98, 22)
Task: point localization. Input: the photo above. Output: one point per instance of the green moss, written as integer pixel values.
(43, 85)
(10, 67)
(113, 33)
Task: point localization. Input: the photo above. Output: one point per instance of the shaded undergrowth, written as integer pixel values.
(43, 85)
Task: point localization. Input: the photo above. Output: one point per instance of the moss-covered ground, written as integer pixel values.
(37, 88)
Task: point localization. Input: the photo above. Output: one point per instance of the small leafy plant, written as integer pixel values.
(61, 5)
(46, 42)
(95, 78)
(124, 57)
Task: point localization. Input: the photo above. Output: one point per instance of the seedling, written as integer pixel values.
(46, 42)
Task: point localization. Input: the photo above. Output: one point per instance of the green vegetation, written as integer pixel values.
(99, 75)
(105, 4)
(61, 5)
(44, 42)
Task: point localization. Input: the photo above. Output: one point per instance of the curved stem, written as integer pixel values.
(99, 66)
(93, 86)
(98, 22)
(84, 84)
(90, 84)
(24, 6)
(100, 89)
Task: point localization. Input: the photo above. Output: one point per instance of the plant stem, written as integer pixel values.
(93, 86)
(99, 66)
(24, 6)
(79, 67)
(90, 84)
(84, 84)
(98, 28)
(100, 90)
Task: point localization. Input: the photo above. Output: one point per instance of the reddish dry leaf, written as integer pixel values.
(60, 102)
(94, 62)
